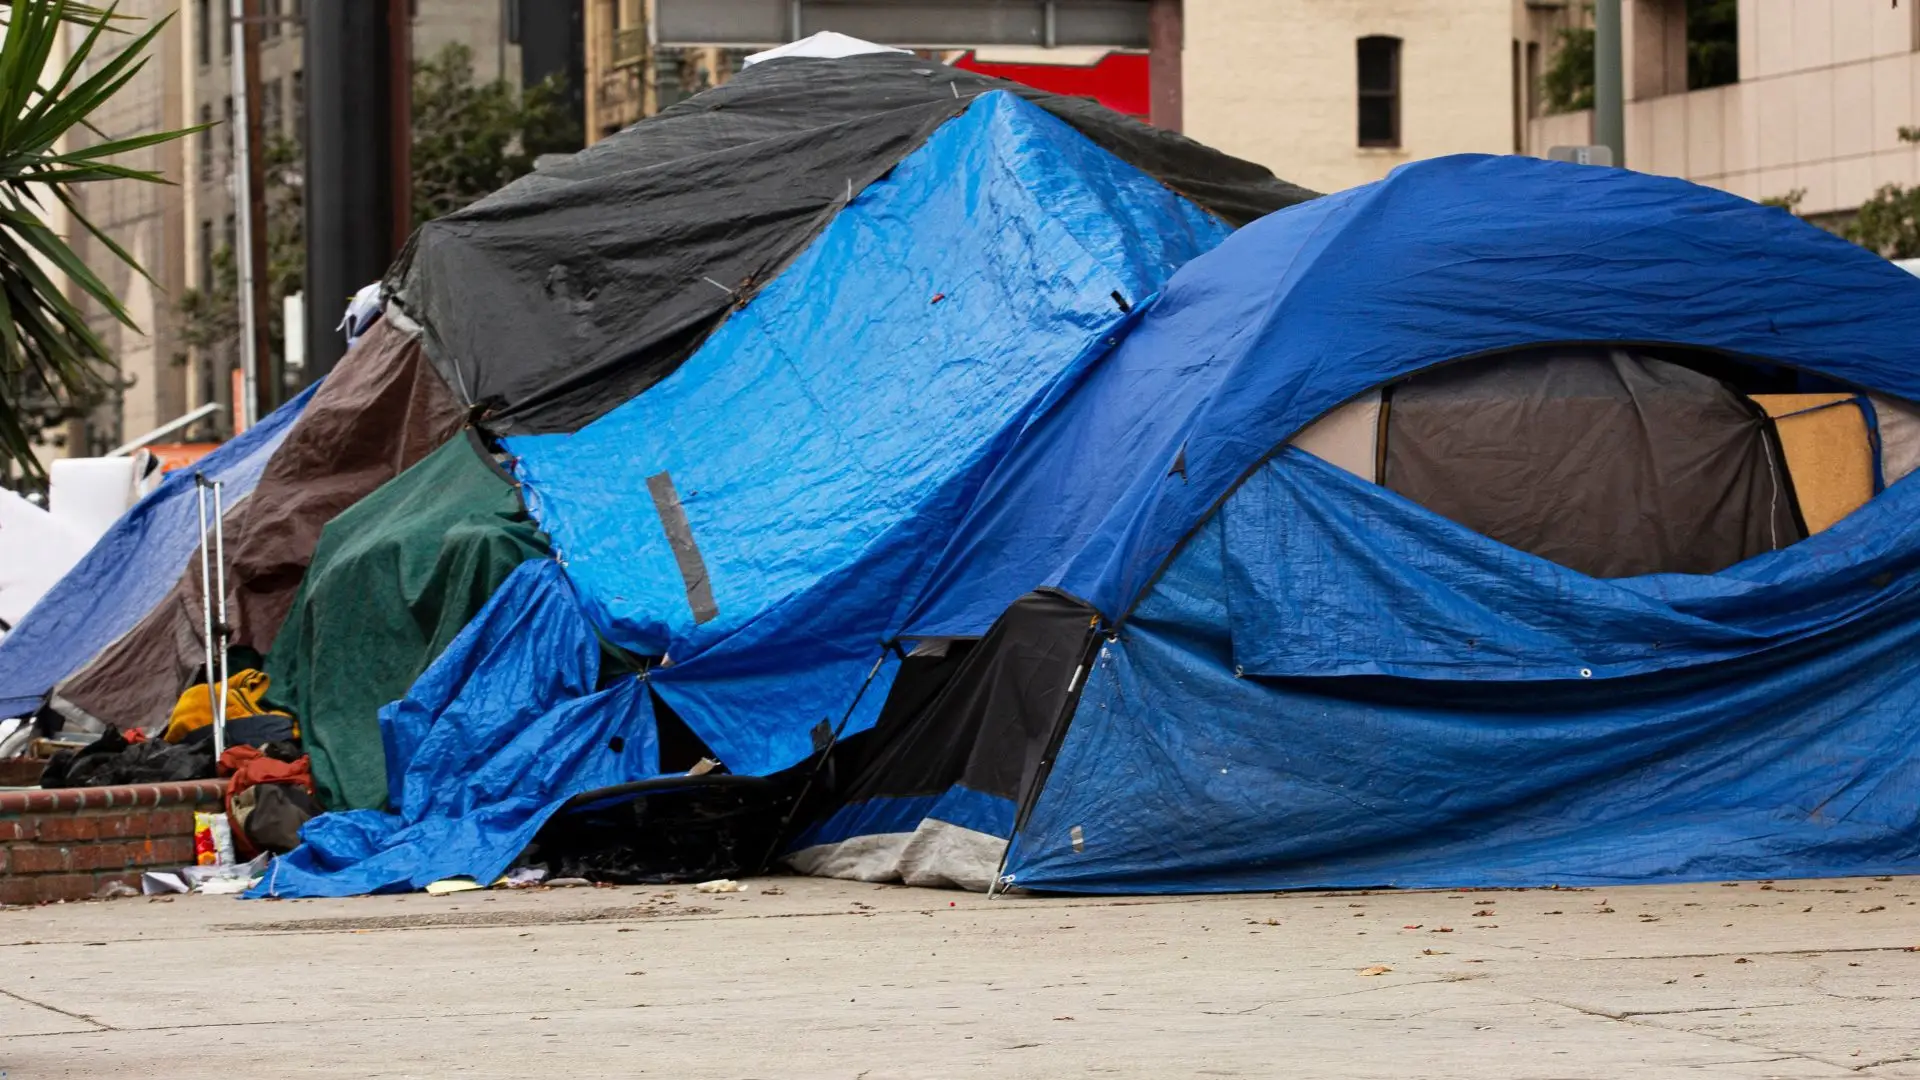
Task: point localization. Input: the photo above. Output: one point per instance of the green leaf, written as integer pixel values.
(52, 362)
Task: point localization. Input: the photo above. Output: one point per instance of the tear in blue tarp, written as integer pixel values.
(824, 440)
(1800, 758)
(500, 731)
(131, 568)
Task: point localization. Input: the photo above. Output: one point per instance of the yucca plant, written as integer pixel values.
(47, 350)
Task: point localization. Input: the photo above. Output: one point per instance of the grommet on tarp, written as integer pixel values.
(1586, 673)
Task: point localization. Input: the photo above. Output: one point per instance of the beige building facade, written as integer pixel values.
(1279, 82)
(1824, 88)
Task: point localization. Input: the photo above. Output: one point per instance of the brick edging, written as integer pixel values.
(70, 843)
(56, 800)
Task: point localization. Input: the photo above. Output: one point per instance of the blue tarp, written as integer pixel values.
(1319, 303)
(131, 568)
(824, 440)
(503, 728)
(1180, 773)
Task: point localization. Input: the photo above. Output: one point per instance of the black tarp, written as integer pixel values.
(1603, 460)
(980, 717)
(573, 289)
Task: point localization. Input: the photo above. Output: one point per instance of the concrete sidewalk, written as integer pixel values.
(811, 978)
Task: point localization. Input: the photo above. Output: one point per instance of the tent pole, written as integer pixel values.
(820, 761)
(206, 599)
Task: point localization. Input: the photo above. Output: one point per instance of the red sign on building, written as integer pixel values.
(1119, 80)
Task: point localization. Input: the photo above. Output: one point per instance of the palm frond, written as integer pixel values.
(51, 356)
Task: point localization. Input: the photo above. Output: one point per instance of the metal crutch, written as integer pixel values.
(210, 556)
(225, 631)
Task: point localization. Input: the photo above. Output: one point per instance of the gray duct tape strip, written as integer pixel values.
(693, 569)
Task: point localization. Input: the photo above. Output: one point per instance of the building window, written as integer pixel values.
(204, 19)
(299, 79)
(270, 27)
(1533, 80)
(206, 256)
(1713, 43)
(226, 37)
(1379, 91)
(273, 117)
(206, 143)
(226, 125)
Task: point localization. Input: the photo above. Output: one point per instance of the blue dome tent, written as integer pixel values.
(1251, 669)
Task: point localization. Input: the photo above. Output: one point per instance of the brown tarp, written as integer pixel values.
(1607, 462)
(382, 409)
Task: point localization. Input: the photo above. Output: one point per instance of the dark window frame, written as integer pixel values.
(1390, 51)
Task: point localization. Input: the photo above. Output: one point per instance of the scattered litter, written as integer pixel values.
(1742, 960)
(160, 882)
(1377, 969)
(1874, 908)
(569, 883)
(225, 879)
(1441, 930)
(727, 885)
(113, 890)
(1484, 913)
(452, 885)
(522, 877)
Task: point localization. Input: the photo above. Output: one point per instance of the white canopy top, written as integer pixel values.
(825, 45)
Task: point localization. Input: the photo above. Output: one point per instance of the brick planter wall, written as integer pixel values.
(69, 843)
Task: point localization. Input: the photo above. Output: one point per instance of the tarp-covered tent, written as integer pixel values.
(1301, 678)
(515, 716)
(127, 573)
(895, 334)
(382, 409)
(762, 516)
(394, 578)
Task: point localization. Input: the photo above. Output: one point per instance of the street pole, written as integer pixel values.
(349, 180)
(1166, 34)
(246, 109)
(1609, 108)
(269, 380)
(400, 116)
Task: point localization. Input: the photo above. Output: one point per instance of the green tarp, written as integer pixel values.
(395, 577)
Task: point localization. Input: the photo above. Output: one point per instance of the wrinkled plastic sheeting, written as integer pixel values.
(824, 441)
(500, 731)
(1179, 774)
(131, 568)
(1327, 574)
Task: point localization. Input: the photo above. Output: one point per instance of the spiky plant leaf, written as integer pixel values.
(50, 357)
